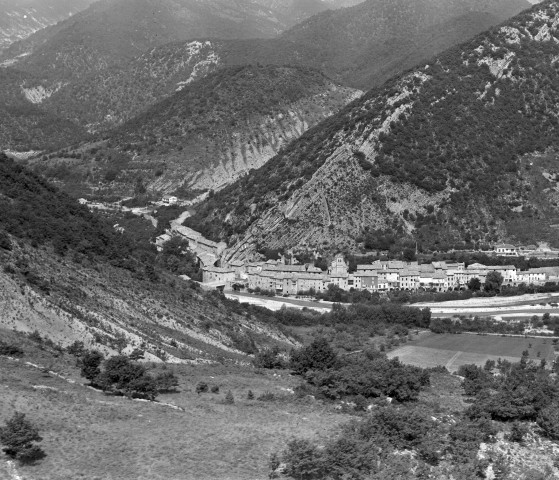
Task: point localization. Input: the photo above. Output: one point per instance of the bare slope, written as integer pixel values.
(70, 276)
(442, 154)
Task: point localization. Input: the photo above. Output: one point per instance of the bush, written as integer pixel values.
(215, 389)
(317, 356)
(267, 397)
(303, 460)
(202, 387)
(10, 350)
(5, 242)
(518, 431)
(229, 399)
(166, 382)
(548, 421)
(90, 363)
(250, 395)
(121, 376)
(269, 358)
(18, 435)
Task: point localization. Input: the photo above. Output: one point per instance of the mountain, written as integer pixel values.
(111, 32)
(69, 275)
(365, 45)
(23, 125)
(463, 149)
(22, 18)
(210, 132)
(387, 41)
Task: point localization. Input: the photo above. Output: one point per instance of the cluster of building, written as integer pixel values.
(541, 251)
(380, 276)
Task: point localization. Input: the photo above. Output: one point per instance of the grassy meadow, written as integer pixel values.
(453, 350)
(92, 436)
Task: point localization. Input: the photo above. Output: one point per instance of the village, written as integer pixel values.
(379, 276)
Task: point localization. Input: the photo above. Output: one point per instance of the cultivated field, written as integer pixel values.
(452, 351)
(92, 436)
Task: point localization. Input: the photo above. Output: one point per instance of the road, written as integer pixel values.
(275, 303)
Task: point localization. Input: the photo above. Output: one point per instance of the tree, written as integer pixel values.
(90, 363)
(5, 242)
(18, 435)
(303, 460)
(166, 382)
(493, 281)
(474, 284)
(317, 356)
(548, 421)
(229, 397)
(120, 375)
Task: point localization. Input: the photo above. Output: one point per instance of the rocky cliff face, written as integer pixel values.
(446, 153)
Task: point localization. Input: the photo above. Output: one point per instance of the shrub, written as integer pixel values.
(250, 395)
(317, 356)
(202, 387)
(548, 421)
(229, 399)
(303, 460)
(10, 349)
(5, 242)
(18, 435)
(90, 363)
(518, 431)
(268, 358)
(215, 389)
(77, 349)
(166, 382)
(267, 397)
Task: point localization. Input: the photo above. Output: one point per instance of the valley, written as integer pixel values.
(285, 239)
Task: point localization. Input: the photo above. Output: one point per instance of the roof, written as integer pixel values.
(439, 265)
(426, 267)
(290, 268)
(367, 267)
(218, 270)
(477, 266)
(313, 269)
(505, 245)
(409, 273)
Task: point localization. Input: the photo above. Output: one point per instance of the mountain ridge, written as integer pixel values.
(374, 166)
(210, 132)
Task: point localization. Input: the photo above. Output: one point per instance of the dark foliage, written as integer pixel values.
(34, 210)
(10, 349)
(269, 358)
(90, 363)
(521, 391)
(317, 356)
(19, 436)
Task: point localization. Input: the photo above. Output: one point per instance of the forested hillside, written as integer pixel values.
(24, 125)
(367, 44)
(111, 32)
(443, 154)
(68, 274)
(206, 135)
